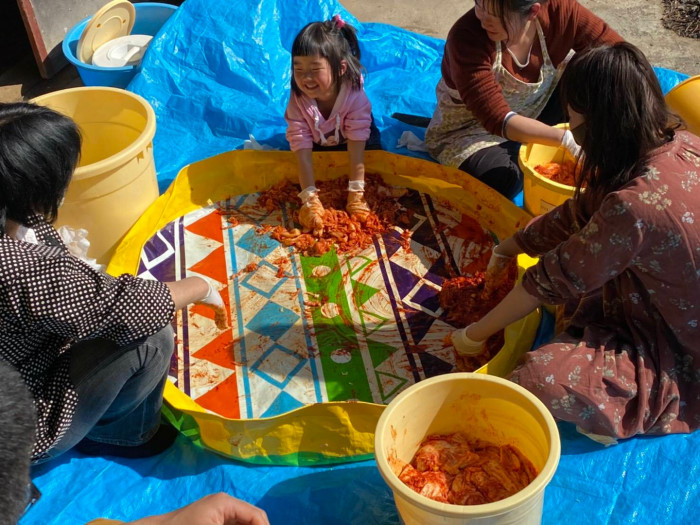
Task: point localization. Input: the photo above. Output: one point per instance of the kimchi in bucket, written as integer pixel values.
(484, 409)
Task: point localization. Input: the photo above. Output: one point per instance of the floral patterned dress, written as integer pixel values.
(629, 275)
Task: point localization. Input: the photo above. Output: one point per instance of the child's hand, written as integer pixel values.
(311, 215)
(357, 205)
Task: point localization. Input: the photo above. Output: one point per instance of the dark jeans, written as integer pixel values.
(120, 390)
(497, 166)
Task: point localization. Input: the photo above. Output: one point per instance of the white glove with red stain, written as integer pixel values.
(464, 345)
(311, 212)
(214, 301)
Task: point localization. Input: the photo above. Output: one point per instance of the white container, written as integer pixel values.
(482, 407)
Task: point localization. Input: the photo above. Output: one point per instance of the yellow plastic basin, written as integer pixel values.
(684, 99)
(483, 407)
(541, 194)
(116, 178)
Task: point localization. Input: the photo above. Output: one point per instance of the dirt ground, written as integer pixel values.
(639, 21)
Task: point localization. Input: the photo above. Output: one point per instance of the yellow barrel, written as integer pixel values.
(116, 178)
(541, 194)
(482, 407)
(684, 99)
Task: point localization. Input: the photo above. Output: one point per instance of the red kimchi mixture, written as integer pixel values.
(466, 299)
(347, 234)
(454, 469)
(564, 173)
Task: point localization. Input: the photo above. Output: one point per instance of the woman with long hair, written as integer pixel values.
(623, 258)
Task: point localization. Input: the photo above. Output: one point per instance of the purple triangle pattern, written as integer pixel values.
(156, 246)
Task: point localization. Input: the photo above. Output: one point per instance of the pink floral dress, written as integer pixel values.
(629, 277)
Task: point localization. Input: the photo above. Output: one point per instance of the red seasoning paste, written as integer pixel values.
(466, 299)
(453, 469)
(347, 234)
(565, 173)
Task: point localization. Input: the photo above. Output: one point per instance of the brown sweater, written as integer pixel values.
(469, 55)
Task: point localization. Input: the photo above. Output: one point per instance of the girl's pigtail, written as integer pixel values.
(348, 33)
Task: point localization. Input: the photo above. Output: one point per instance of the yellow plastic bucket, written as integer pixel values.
(483, 407)
(541, 194)
(684, 99)
(116, 178)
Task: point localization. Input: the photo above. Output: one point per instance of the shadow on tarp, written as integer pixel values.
(641, 480)
(76, 489)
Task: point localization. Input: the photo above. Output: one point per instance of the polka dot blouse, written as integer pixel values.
(49, 300)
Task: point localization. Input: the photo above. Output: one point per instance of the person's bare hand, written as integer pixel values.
(215, 509)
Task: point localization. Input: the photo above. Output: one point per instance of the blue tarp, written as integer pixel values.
(640, 481)
(218, 71)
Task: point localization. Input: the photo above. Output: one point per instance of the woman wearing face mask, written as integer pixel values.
(623, 257)
(502, 62)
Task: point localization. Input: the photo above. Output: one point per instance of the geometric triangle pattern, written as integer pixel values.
(304, 329)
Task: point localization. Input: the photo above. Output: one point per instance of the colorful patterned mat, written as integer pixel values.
(304, 329)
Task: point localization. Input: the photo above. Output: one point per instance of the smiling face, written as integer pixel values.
(314, 77)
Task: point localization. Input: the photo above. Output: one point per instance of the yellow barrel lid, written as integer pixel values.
(111, 21)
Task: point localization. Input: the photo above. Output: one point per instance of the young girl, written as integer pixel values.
(622, 256)
(328, 109)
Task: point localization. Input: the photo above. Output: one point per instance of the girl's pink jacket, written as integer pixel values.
(350, 119)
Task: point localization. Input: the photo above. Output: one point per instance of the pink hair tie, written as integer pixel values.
(339, 22)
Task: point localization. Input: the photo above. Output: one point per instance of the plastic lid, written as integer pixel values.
(123, 51)
(111, 21)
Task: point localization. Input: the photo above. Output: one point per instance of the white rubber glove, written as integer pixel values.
(464, 345)
(569, 143)
(311, 212)
(215, 302)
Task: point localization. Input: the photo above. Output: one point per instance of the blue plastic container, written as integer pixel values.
(150, 17)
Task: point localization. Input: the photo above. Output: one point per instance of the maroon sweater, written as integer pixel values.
(469, 55)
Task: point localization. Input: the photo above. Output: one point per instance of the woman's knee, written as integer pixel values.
(163, 342)
(497, 167)
(534, 377)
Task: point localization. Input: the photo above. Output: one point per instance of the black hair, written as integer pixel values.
(335, 41)
(616, 91)
(504, 9)
(17, 434)
(39, 150)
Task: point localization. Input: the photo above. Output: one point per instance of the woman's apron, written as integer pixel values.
(454, 134)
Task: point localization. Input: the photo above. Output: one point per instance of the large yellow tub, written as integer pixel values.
(116, 178)
(317, 432)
